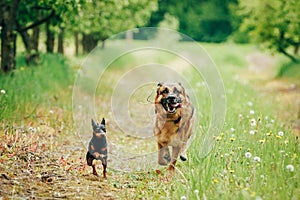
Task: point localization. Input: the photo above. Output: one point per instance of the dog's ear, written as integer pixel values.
(94, 125)
(160, 84)
(103, 122)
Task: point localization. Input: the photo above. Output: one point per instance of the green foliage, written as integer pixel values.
(104, 18)
(208, 21)
(274, 24)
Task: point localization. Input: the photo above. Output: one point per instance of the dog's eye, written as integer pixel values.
(165, 91)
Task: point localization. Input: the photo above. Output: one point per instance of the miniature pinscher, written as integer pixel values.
(98, 147)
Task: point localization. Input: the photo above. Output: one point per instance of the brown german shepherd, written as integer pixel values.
(173, 124)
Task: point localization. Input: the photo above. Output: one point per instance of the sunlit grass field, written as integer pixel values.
(255, 156)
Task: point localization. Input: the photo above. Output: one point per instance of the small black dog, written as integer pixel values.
(98, 147)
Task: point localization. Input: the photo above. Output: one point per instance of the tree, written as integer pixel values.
(98, 20)
(8, 34)
(25, 17)
(273, 23)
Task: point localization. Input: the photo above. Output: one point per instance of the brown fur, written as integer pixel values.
(172, 128)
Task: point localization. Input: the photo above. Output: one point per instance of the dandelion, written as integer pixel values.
(183, 198)
(22, 68)
(278, 137)
(258, 198)
(253, 122)
(216, 181)
(248, 155)
(231, 171)
(252, 132)
(286, 142)
(256, 159)
(240, 148)
(262, 141)
(232, 139)
(51, 112)
(280, 133)
(218, 138)
(2, 91)
(249, 103)
(232, 129)
(269, 133)
(251, 112)
(290, 168)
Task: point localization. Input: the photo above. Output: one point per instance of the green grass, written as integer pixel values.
(225, 173)
(28, 88)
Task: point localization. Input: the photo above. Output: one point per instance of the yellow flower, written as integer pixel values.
(269, 133)
(216, 181)
(278, 137)
(295, 155)
(218, 138)
(232, 139)
(240, 148)
(262, 141)
(286, 142)
(231, 171)
(22, 68)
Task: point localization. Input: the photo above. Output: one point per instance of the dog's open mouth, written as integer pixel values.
(171, 108)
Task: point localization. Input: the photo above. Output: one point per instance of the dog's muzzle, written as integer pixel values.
(171, 103)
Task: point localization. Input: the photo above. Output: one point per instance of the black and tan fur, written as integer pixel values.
(98, 147)
(173, 124)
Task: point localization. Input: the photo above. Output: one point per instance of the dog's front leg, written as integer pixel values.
(175, 153)
(163, 154)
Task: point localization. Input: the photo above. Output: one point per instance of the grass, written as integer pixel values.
(255, 156)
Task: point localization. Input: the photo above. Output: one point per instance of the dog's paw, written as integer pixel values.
(183, 158)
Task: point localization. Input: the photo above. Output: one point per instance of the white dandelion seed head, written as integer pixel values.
(251, 112)
(272, 121)
(51, 111)
(249, 103)
(2, 91)
(248, 155)
(183, 198)
(258, 198)
(253, 122)
(256, 159)
(196, 192)
(232, 129)
(266, 117)
(290, 168)
(280, 133)
(252, 132)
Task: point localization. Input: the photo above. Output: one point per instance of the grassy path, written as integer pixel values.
(42, 157)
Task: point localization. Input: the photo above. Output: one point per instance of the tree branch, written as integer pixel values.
(37, 23)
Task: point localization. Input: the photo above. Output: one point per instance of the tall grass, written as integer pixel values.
(30, 87)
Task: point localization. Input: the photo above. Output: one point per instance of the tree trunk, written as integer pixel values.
(60, 46)
(35, 38)
(50, 38)
(88, 43)
(8, 35)
(76, 37)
